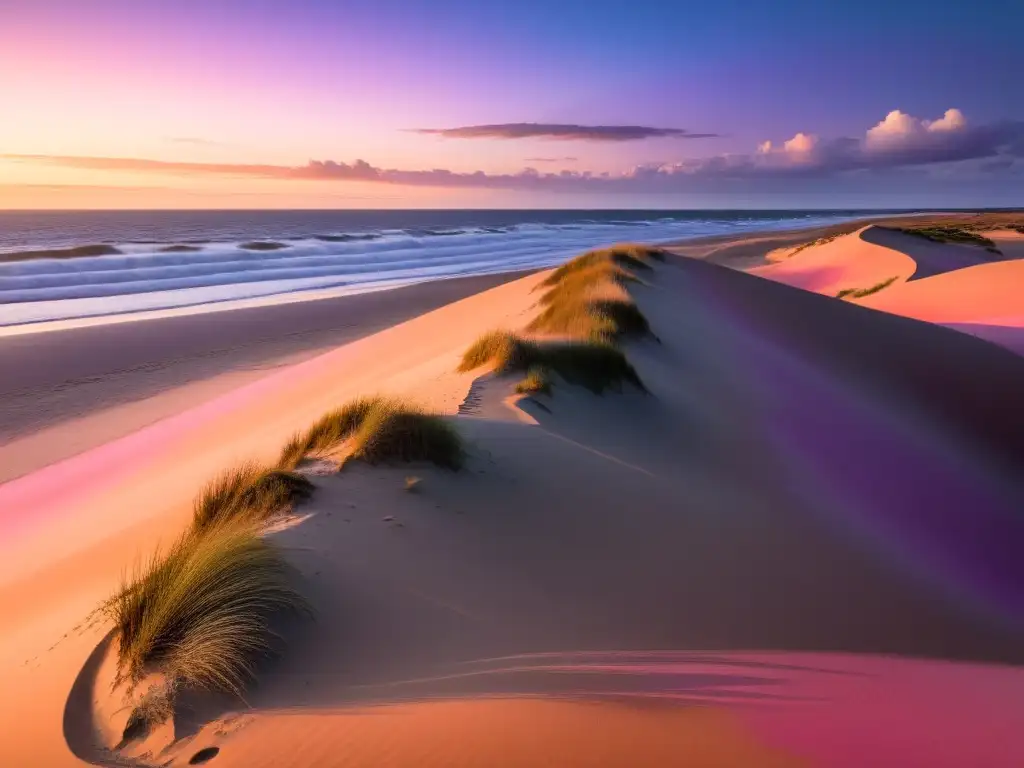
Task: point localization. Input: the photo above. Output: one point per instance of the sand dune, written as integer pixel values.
(960, 286)
(703, 575)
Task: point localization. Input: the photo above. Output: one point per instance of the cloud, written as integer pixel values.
(898, 144)
(562, 131)
(551, 159)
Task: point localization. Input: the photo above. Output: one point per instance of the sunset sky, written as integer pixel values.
(444, 103)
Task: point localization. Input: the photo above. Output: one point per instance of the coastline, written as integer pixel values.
(76, 384)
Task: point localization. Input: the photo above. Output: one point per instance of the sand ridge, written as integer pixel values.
(762, 496)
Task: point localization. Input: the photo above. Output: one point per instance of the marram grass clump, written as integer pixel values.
(622, 256)
(248, 493)
(503, 350)
(379, 429)
(329, 431)
(536, 382)
(593, 364)
(859, 293)
(397, 432)
(604, 319)
(202, 614)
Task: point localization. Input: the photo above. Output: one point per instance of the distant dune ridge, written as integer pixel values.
(801, 524)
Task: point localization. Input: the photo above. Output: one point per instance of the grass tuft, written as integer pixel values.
(951, 235)
(380, 429)
(250, 493)
(202, 614)
(328, 432)
(859, 293)
(599, 319)
(503, 349)
(625, 257)
(536, 382)
(396, 432)
(591, 363)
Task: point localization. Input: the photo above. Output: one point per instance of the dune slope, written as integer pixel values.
(673, 578)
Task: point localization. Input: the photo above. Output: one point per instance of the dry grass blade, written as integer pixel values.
(397, 432)
(328, 432)
(201, 615)
(601, 319)
(504, 350)
(251, 493)
(537, 382)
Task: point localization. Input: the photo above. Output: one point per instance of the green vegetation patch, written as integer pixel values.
(599, 319)
(593, 364)
(859, 293)
(503, 350)
(380, 429)
(202, 614)
(251, 493)
(950, 235)
(396, 432)
(623, 256)
(536, 382)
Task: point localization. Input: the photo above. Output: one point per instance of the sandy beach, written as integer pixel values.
(805, 523)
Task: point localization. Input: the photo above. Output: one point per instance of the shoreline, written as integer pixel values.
(72, 389)
(76, 384)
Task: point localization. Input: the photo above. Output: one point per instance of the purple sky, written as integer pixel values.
(413, 104)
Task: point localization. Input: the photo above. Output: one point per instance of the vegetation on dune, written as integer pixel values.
(202, 614)
(600, 319)
(582, 281)
(859, 293)
(951, 234)
(815, 243)
(260, 245)
(396, 432)
(536, 382)
(329, 431)
(623, 256)
(251, 493)
(380, 430)
(504, 350)
(593, 364)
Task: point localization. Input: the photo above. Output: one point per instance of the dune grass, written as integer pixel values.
(940, 234)
(329, 431)
(622, 256)
(380, 429)
(202, 613)
(393, 431)
(536, 382)
(591, 363)
(504, 350)
(249, 492)
(859, 293)
(599, 319)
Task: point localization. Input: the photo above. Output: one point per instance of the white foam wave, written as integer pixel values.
(142, 278)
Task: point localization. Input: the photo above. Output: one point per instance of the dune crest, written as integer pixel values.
(592, 579)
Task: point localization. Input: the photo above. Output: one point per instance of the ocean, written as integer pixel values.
(169, 260)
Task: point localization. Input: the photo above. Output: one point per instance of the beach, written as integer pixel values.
(797, 519)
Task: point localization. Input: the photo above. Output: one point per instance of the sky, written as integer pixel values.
(525, 104)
